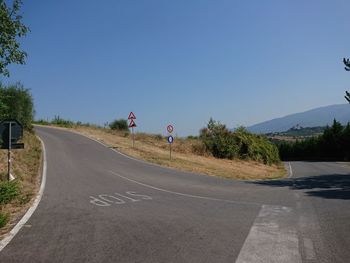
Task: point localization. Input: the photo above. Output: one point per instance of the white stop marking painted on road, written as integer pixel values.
(118, 199)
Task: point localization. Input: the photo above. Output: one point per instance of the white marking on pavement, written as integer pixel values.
(115, 201)
(271, 239)
(306, 225)
(107, 199)
(298, 204)
(186, 195)
(143, 197)
(309, 249)
(290, 171)
(98, 202)
(4, 242)
(109, 147)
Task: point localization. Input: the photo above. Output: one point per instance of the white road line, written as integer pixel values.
(297, 195)
(307, 224)
(309, 249)
(186, 195)
(290, 170)
(4, 242)
(271, 239)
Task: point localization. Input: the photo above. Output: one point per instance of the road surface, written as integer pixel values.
(101, 206)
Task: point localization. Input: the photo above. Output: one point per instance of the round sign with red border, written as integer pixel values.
(170, 128)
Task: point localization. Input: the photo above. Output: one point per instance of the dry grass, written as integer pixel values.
(25, 167)
(188, 155)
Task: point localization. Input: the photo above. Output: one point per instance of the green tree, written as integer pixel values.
(11, 29)
(218, 140)
(120, 125)
(241, 144)
(333, 144)
(346, 142)
(16, 103)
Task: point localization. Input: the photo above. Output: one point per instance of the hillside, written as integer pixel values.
(321, 116)
(300, 132)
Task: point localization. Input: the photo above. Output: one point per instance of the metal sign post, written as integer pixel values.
(9, 153)
(133, 137)
(170, 141)
(170, 129)
(10, 132)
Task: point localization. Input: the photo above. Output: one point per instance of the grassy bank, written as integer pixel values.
(188, 154)
(16, 196)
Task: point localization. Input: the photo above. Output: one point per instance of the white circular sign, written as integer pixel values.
(170, 128)
(170, 139)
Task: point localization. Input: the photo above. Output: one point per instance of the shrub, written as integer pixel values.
(42, 122)
(24, 199)
(8, 191)
(199, 148)
(4, 218)
(219, 140)
(255, 147)
(16, 102)
(222, 143)
(158, 137)
(57, 120)
(120, 125)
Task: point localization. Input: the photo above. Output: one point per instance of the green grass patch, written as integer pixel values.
(24, 199)
(4, 218)
(8, 191)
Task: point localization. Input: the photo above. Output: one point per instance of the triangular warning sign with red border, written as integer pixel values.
(131, 116)
(132, 124)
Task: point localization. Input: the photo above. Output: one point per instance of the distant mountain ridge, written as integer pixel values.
(321, 116)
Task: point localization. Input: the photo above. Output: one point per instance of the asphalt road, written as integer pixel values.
(100, 206)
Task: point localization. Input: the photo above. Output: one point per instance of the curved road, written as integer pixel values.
(101, 206)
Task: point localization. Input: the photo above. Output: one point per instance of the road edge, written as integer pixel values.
(7, 239)
(150, 163)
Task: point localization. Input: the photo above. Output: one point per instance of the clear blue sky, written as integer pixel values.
(182, 62)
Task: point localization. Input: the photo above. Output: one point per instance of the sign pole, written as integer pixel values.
(170, 129)
(132, 124)
(170, 151)
(133, 137)
(9, 153)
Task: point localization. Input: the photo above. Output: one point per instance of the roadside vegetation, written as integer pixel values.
(240, 144)
(16, 102)
(332, 145)
(15, 197)
(217, 151)
(64, 123)
(119, 125)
